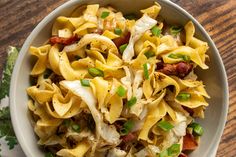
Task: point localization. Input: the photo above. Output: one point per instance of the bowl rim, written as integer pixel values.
(16, 126)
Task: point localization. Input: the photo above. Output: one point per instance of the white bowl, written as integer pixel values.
(214, 78)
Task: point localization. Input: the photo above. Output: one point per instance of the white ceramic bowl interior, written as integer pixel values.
(214, 78)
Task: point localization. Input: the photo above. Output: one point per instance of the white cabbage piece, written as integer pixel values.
(141, 26)
(180, 127)
(88, 97)
(115, 152)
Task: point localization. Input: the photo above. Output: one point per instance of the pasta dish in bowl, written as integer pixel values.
(115, 85)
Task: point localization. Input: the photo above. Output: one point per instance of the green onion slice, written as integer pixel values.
(85, 83)
(76, 127)
(145, 69)
(49, 154)
(164, 154)
(121, 91)
(197, 129)
(183, 96)
(95, 72)
(122, 48)
(118, 31)
(174, 30)
(164, 125)
(149, 54)
(131, 102)
(127, 127)
(174, 149)
(156, 31)
(105, 14)
(179, 56)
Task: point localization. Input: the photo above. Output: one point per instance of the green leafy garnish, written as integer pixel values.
(95, 72)
(85, 82)
(164, 125)
(131, 102)
(76, 127)
(127, 127)
(164, 154)
(197, 129)
(173, 150)
(130, 16)
(149, 54)
(183, 96)
(145, 70)
(49, 154)
(121, 91)
(105, 14)
(122, 48)
(6, 79)
(156, 31)
(174, 30)
(118, 31)
(179, 56)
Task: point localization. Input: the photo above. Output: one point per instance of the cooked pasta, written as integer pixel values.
(115, 86)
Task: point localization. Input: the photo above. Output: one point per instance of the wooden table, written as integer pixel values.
(19, 17)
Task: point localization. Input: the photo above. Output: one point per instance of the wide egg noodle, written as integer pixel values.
(42, 54)
(152, 11)
(54, 58)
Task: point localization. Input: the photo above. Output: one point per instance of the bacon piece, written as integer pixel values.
(128, 138)
(122, 40)
(182, 155)
(189, 143)
(180, 69)
(63, 41)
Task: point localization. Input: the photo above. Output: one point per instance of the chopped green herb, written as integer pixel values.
(85, 83)
(127, 127)
(121, 91)
(118, 31)
(183, 96)
(145, 70)
(105, 14)
(164, 125)
(11, 141)
(197, 129)
(67, 122)
(49, 154)
(76, 127)
(131, 102)
(174, 149)
(149, 54)
(164, 154)
(77, 57)
(156, 31)
(174, 30)
(95, 72)
(180, 56)
(130, 16)
(122, 48)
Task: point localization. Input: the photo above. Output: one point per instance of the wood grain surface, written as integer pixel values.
(19, 17)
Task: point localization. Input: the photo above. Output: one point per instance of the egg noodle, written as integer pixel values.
(110, 85)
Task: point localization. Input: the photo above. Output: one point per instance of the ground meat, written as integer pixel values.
(180, 69)
(63, 41)
(128, 138)
(189, 143)
(122, 40)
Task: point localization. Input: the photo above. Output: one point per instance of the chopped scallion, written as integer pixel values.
(131, 102)
(145, 70)
(174, 30)
(164, 154)
(76, 127)
(85, 83)
(121, 91)
(105, 14)
(149, 54)
(179, 56)
(183, 96)
(122, 48)
(197, 129)
(156, 31)
(95, 72)
(118, 31)
(174, 149)
(127, 127)
(164, 125)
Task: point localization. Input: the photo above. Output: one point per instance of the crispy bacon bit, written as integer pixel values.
(180, 69)
(189, 143)
(122, 40)
(63, 41)
(182, 155)
(128, 138)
